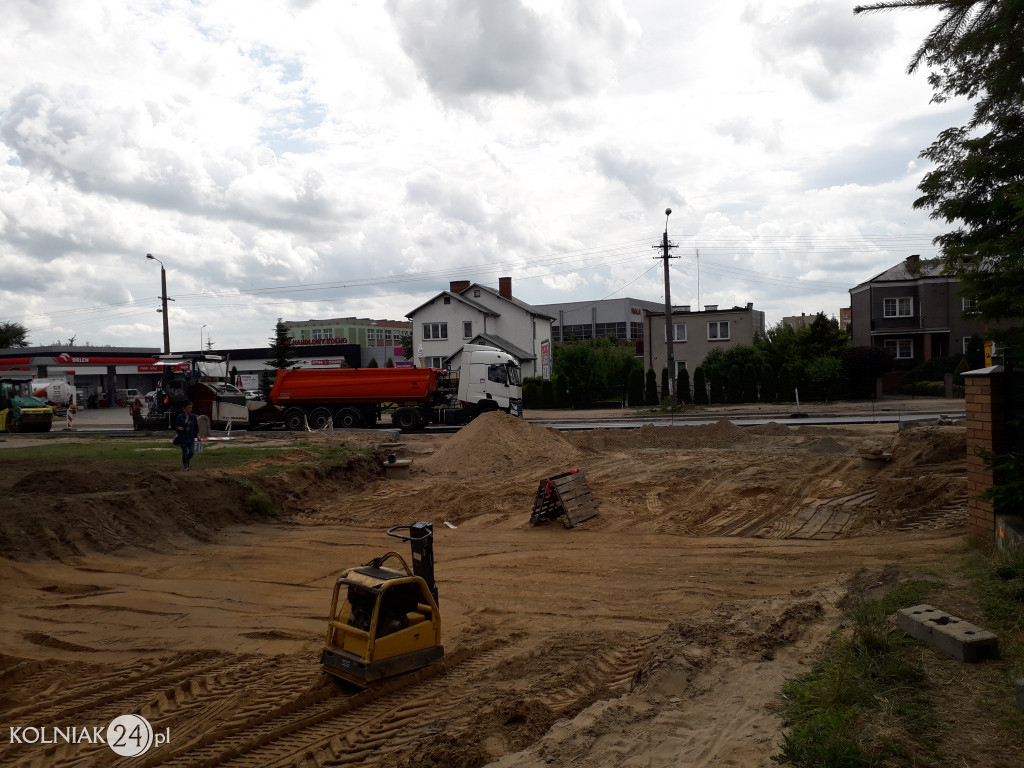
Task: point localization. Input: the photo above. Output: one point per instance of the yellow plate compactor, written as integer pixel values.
(384, 618)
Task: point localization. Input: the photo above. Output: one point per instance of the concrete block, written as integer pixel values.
(1020, 694)
(953, 636)
(399, 470)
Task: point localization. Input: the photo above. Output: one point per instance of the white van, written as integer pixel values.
(127, 396)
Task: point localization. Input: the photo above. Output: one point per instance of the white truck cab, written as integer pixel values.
(489, 378)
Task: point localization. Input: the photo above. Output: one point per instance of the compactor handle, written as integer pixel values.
(421, 542)
(421, 531)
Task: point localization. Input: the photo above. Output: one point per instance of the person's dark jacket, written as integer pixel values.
(189, 426)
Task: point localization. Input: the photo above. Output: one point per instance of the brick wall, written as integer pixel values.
(986, 429)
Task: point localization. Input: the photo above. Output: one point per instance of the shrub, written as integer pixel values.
(635, 388)
(750, 384)
(531, 392)
(651, 391)
(768, 384)
(700, 388)
(734, 385)
(547, 394)
(683, 386)
(787, 385)
(560, 386)
(716, 380)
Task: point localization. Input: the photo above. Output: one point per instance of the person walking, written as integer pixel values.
(187, 426)
(137, 422)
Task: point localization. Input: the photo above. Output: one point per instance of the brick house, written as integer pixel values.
(915, 312)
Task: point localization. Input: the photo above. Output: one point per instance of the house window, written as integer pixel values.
(435, 331)
(476, 293)
(967, 343)
(900, 307)
(447, 299)
(467, 329)
(680, 367)
(718, 331)
(679, 333)
(966, 304)
(902, 349)
(316, 334)
(434, 362)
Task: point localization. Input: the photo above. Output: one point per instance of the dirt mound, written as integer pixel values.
(771, 429)
(917, 445)
(508, 725)
(109, 507)
(722, 434)
(496, 442)
(70, 480)
(826, 446)
(160, 508)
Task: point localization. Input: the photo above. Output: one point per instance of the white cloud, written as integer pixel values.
(545, 51)
(355, 158)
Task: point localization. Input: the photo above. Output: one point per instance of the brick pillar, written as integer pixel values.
(986, 429)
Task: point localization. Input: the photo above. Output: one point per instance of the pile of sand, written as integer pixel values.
(771, 429)
(917, 445)
(722, 434)
(826, 446)
(497, 442)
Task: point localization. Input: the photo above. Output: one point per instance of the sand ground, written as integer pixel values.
(657, 633)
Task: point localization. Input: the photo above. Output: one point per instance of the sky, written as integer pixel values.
(304, 159)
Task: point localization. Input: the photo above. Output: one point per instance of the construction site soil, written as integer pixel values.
(657, 633)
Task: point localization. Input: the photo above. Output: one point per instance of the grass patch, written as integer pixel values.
(255, 501)
(881, 698)
(159, 452)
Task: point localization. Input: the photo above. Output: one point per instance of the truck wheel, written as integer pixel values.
(319, 417)
(406, 419)
(349, 418)
(294, 419)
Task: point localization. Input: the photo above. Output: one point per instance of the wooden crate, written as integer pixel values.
(567, 497)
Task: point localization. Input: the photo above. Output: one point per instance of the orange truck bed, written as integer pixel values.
(354, 385)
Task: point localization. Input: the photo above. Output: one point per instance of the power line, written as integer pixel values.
(588, 259)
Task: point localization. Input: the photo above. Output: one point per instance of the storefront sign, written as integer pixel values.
(315, 342)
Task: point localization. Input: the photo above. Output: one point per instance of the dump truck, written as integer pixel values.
(486, 379)
(20, 409)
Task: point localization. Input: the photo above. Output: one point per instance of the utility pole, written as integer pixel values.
(669, 355)
(163, 289)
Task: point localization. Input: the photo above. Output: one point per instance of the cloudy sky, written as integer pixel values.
(322, 158)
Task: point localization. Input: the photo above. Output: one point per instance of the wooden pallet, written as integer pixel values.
(566, 497)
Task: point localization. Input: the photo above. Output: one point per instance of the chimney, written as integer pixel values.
(914, 263)
(505, 287)
(710, 307)
(458, 286)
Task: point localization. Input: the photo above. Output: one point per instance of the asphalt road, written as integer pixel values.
(117, 420)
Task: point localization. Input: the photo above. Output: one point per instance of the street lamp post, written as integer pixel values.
(163, 296)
